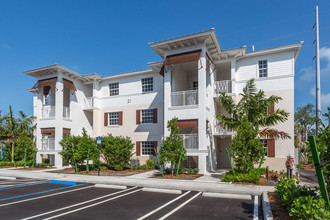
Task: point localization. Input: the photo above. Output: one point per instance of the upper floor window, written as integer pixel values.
(113, 118)
(114, 89)
(263, 68)
(147, 84)
(147, 116)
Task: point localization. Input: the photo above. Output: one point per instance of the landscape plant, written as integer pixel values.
(171, 148)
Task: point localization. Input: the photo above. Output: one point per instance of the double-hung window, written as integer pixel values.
(147, 84)
(264, 142)
(147, 148)
(114, 89)
(263, 68)
(113, 118)
(147, 116)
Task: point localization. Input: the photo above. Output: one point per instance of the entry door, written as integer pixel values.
(222, 159)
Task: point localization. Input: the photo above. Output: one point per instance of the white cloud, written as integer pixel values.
(325, 100)
(325, 55)
(312, 91)
(308, 74)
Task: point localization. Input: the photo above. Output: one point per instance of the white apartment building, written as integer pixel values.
(185, 85)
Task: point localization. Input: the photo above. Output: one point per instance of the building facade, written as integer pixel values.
(185, 84)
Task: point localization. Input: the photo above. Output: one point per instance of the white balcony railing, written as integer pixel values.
(48, 111)
(66, 112)
(48, 144)
(89, 102)
(190, 141)
(222, 86)
(184, 98)
(220, 129)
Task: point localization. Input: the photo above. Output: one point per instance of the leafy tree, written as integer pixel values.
(246, 146)
(171, 148)
(24, 141)
(116, 151)
(306, 118)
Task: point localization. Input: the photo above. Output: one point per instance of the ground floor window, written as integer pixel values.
(147, 148)
(191, 162)
(265, 145)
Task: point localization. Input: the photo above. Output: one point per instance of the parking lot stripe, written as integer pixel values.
(11, 183)
(17, 186)
(255, 209)
(81, 203)
(36, 193)
(45, 196)
(98, 203)
(180, 206)
(163, 206)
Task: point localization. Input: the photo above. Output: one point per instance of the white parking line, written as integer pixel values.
(40, 197)
(180, 206)
(14, 184)
(163, 206)
(255, 209)
(81, 203)
(98, 203)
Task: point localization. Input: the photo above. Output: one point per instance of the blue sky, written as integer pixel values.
(109, 37)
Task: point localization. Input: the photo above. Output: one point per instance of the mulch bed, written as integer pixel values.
(183, 176)
(262, 182)
(36, 168)
(126, 172)
(279, 212)
(308, 167)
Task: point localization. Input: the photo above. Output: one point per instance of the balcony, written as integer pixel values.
(66, 112)
(222, 86)
(190, 141)
(88, 102)
(48, 144)
(184, 98)
(48, 111)
(219, 129)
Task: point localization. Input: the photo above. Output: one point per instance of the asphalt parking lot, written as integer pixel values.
(44, 199)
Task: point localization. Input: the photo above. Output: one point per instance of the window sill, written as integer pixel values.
(147, 123)
(113, 126)
(183, 107)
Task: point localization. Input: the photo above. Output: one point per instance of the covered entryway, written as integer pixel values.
(222, 159)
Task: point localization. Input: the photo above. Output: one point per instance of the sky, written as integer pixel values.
(111, 37)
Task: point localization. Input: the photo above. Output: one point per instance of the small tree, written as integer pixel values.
(246, 146)
(116, 151)
(24, 141)
(171, 148)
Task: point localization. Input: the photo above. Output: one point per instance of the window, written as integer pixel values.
(113, 118)
(264, 142)
(114, 89)
(263, 69)
(147, 84)
(147, 116)
(195, 85)
(147, 147)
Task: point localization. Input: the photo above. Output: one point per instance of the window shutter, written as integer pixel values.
(120, 118)
(154, 151)
(155, 115)
(138, 148)
(271, 148)
(271, 109)
(106, 120)
(138, 116)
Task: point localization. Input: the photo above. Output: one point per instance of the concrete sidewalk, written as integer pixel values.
(143, 181)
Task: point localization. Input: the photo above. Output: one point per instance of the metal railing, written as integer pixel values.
(66, 112)
(222, 86)
(89, 102)
(184, 98)
(48, 111)
(220, 129)
(190, 141)
(48, 144)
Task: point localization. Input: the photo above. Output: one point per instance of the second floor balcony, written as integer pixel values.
(190, 141)
(184, 98)
(222, 86)
(66, 112)
(88, 102)
(219, 129)
(48, 144)
(48, 111)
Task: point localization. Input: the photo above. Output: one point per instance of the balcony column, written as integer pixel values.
(233, 70)
(167, 97)
(58, 117)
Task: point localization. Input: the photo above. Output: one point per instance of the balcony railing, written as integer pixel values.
(222, 86)
(48, 144)
(48, 111)
(89, 102)
(220, 129)
(190, 141)
(66, 112)
(184, 98)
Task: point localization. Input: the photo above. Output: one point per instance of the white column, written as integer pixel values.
(233, 70)
(202, 102)
(58, 119)
(167, 98)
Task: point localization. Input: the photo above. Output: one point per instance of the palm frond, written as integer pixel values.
(270, 133)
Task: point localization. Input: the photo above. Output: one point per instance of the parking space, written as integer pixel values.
(44, 200)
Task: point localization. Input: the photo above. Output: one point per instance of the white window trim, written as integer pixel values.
(141, 146)
(258, 74)
(114, 125)
(143, 92)
(262, 141)
(141, 117)
(113, 89)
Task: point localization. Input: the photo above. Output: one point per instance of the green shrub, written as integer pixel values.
(189, 170)
(45, 160)
(308, 207)
(18, 163)
(240, 176)
(150, 163)
(42, 165)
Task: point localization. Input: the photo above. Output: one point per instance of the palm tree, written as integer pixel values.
(254, 105)
(12, 128)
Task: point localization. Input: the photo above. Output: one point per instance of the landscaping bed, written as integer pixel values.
(183, 176)
(125, 172)
(278, 210)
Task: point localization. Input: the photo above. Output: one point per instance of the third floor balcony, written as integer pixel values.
(184, 98)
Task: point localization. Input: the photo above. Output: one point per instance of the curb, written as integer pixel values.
(226, 195)
(267, 211)
(108, 186)
(8, 178)
(169, 191)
